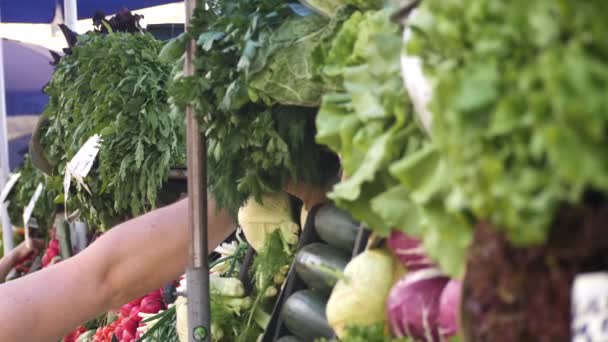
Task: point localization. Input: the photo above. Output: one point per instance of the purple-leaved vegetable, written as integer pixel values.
(449, 304)
(409, 251)
(413, 305)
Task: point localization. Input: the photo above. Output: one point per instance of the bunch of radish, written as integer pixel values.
(423, 304)
(105, 334)
(130, 318)
(75, 334)
(52, 253)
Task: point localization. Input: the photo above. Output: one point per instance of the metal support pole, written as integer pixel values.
(70, 13)
(199, 316)
(7, 230)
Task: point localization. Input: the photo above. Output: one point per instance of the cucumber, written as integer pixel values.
(304, 316)
(289, 338)
(318, 264)
(336, 227)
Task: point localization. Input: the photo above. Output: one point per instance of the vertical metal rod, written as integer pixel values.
(7, 231)
(70, 13)
(199, 316)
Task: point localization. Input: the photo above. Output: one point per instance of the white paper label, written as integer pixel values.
(590, 308)
(8, 186)
(29, 209)
(80, 166)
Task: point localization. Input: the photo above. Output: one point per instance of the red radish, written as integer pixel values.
(448, 308)
(134, 314)
(54, 244)
(127, 335)
(126, 309)
(119, 331)
(413, 305)
(148, 300)
(73, 336)
(130, 325)
(152, 307)
(136, 301)
(409, 251)
(155, 294)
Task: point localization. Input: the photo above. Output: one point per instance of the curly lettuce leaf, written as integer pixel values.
(366, 121)
(521, 133)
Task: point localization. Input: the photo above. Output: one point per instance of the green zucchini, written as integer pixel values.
(289, 338)
(336, 227)
(304, 316)
(319, 265)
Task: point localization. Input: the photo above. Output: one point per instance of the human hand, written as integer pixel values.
(310, 194)
(24, 249)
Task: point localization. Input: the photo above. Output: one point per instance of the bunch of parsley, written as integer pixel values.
(114, 85)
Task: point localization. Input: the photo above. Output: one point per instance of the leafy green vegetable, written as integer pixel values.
(163, 329)
(330, 8)
(239, 319)
(365, 121)
(253, 148)
(370, 333)
(519, 105)
(282, 71)
(269, 261)
(114, 85)
(22, 193)
(396, 179)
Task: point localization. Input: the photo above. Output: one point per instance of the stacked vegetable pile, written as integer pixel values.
(256, 96)
(519, 119)
(395, 180)
(240, 314)
(390, 288)
(114, 85)
(129, 324)
(262, 70)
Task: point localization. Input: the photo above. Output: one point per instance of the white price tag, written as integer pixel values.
(80, 166)
(590, 308)
(29, 209)
(9, 186)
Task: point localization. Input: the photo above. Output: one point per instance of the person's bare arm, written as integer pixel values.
(130, 260)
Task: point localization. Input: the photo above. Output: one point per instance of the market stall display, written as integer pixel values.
(462, 216)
